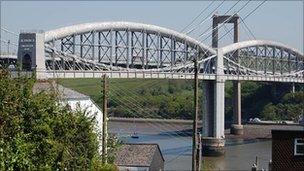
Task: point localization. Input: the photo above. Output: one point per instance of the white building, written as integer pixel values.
(75, 100)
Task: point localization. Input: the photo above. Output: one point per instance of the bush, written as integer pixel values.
(36, 133)
(269, 112)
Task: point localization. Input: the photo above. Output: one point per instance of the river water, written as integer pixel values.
(240, 154)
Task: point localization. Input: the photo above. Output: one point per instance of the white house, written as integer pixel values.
(74, 99)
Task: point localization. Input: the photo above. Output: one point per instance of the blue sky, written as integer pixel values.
(276, 20)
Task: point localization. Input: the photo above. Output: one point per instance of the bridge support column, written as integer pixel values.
(237, 127)
(214, 113)
(40, 57)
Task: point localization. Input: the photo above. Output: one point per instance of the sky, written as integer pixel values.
(280, 21)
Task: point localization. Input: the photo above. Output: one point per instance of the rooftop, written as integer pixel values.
(64, 92)
(136, 154)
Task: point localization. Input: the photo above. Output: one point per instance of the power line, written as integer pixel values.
(148, 122)
(6, 30)
(9, 42)
(243, 21)
(245, 17)
(248, 28)
(119, 101)
(158, 127)
(206, 18)
(178, 156)
(141, 107)
(247, 34)
(135, 100)
(226, 29)
(197, 16)
(224, 14)
(220, 26)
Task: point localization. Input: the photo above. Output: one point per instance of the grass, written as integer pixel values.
(93, 86)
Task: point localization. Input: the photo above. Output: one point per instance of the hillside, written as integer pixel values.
(160, 98)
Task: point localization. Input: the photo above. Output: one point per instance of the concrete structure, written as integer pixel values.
(135, 50)
(216, 106)
(74, 100)
(287, 150)
(31, 52)
(140, 157)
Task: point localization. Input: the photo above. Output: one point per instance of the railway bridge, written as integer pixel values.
(136, 50)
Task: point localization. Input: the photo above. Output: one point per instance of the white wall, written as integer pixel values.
(91, 108)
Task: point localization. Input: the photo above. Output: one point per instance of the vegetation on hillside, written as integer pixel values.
(145, 98)
(37, 133)
(290, 107)
(162, 98)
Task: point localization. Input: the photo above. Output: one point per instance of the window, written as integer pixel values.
(299, 147)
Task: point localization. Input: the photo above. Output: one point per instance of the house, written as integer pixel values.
(287, 149)
(140, 157)
(74, 100)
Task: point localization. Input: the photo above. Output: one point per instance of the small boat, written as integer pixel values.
(134, 135)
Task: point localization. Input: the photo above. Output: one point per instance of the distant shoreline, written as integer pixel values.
(174, 126)
(139, 120)
(185, 121)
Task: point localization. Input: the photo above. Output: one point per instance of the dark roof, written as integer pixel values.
(65, 93)
(287, 134)
(140, 155)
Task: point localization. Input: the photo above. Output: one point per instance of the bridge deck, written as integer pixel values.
(166, 75)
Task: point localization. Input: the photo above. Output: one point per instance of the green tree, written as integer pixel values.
(37, 133)
(269, 112)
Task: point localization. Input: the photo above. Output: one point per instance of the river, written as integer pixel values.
(240, 154)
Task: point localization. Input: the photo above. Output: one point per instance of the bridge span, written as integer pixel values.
(136, 50)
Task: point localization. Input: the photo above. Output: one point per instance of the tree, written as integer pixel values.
(37, 133)
(269, 112)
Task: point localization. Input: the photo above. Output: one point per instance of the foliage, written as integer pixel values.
(269, 112)
(174, 98)
(146, 98)
(113, 144)
(290, 107)
(37, 133)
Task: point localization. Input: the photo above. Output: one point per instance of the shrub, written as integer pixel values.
(37, 133)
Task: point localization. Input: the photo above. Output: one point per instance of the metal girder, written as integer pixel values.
(133, 48)
(265, 57)
(124, 46)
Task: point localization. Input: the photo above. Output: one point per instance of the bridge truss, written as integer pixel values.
(135, 50)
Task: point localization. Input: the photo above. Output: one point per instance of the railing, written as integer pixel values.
(168, 75)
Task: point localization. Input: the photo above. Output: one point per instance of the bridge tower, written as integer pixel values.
(31, 54)
(214, 101)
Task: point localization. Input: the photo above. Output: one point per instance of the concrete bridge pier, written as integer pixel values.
(237, 127)
(213, 140)
(213, 129)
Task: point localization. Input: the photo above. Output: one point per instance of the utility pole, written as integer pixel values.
(199, 152)
(195, 163)
(105, 118)
(8, 47)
